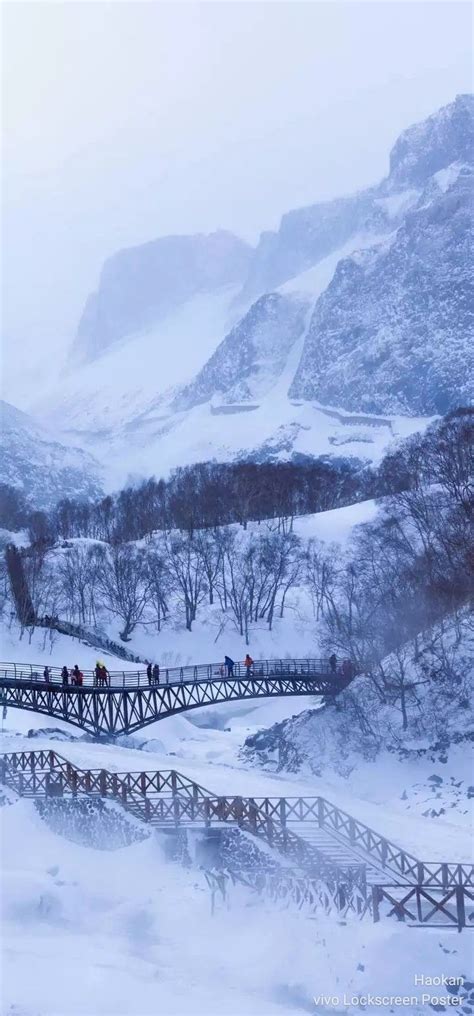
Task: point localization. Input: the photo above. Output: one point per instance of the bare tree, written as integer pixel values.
(185, 565)
(78, 572)
(210, 549)
(124, 584)
(159, 583)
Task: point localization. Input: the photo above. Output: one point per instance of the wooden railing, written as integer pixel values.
(168, 797)
(417, 905)
(379, 850)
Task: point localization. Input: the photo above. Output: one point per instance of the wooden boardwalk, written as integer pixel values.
(324, 845)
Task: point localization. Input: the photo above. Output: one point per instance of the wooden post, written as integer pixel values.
(320, 811)
(252, 813)
(460, 908)
(239, 810)
(103, 783)
(376, 897)
(384, 852)
(73, 780)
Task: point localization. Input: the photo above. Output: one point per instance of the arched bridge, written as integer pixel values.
(129, 701)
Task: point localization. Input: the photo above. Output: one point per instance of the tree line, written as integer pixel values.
(202, 496)
(401, 574)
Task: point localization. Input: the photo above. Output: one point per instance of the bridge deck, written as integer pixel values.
(118, 679)
(127, 701)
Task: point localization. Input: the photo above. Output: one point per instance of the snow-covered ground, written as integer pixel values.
(137, 928)
(89, 932)
(213, 635)
(158, 441)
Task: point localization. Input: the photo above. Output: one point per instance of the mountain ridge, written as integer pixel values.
(380, 279)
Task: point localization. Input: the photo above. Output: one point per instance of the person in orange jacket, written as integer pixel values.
(248, 663)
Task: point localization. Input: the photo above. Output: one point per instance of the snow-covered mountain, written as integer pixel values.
(140, 286)
(394, 330)
(252, 357)
(356, 311)
(42, 468)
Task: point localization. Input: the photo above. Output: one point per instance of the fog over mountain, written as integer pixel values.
(266, 114)
(364, 315)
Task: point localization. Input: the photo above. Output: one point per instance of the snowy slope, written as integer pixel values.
(276, 428)
(139, 286)
(44, 469)
(129, 379)
(140, 931)
(382, 282)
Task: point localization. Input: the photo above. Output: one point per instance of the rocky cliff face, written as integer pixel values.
(44, 470)
(141, 285)
(427, 147)
(362, 304)
(306, 236)
(253, 355)
(393, 332)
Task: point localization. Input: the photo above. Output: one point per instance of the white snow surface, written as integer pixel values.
(446, 177)
(316, 279)
(138, 928)
(277, 426)
(122, 383)
(398, 203)
(122, 932)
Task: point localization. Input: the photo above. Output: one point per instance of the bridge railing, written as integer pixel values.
(169, 796)
(417, 905)
(382, 851)
(165, 798)
(308, 668)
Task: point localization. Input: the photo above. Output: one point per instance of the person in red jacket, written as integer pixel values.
(76, 677)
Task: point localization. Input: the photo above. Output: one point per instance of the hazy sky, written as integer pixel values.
(125, 121)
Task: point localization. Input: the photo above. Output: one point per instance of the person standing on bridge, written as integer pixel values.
(333, 663)
(229, 666)
(149, 673)
(77, 675)
(65, 677)
(248, 663)
(347, 670)
(46, 675)
(97, 674)
(104, 674)
(156, 674)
